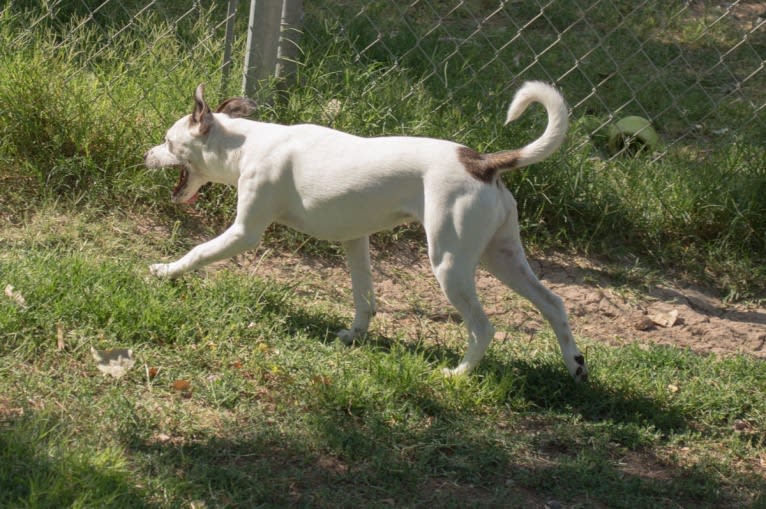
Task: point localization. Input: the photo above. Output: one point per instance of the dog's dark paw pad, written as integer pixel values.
(581, 373)
(579, 359)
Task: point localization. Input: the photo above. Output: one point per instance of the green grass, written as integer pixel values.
(281, 414)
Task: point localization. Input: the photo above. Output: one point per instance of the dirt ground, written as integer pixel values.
(409, 297)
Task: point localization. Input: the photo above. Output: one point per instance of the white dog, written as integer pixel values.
(340, 187)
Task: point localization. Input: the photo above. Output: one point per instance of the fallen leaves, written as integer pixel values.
(321, 380)
(115, 362)
(743, 426)
(665, 320)
(16, 297)
(60, 344)
(182, 388)
(660, 319)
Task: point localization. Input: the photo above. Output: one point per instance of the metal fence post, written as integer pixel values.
(262, 42)
(289, 38)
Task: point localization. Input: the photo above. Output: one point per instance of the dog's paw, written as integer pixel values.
(578, 368)
(348, 336)
(161, 270)
(345, 336)
(460, 370)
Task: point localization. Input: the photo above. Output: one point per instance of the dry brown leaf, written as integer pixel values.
(666, 320)
(321, 380)
(16, 297)
(183, 388)
(151, 373)
(60, 336)
(115, 362)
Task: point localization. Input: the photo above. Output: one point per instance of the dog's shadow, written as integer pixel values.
(544, 384)
(355, 442)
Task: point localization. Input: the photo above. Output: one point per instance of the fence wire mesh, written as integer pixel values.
(695, 69)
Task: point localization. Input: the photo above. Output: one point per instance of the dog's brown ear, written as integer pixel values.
(201, 116)
(237, 107)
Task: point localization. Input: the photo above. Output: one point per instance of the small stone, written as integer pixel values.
(644, 324)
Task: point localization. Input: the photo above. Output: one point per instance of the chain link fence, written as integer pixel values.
(694, 69)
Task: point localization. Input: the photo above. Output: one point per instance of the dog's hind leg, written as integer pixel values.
(457, 282)
(358, 255)
(504, 258)
(454, 259)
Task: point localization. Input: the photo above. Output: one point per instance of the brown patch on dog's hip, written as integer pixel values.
(485, 167)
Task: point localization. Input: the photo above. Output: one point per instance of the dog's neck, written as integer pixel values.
(222, 152)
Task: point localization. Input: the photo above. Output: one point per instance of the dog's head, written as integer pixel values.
(188, 140)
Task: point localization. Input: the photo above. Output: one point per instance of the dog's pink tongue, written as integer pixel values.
(192, 200)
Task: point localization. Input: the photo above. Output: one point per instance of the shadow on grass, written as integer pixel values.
(39, 469)
(354, 468)
(365, 455)
(549, 387)
(386, 442)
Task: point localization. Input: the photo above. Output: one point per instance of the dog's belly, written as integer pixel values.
(347, 219)
(341, 209)
(347, 230)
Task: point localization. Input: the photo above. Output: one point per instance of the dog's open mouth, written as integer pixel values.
(180, 187)
(178, 190)
(183, 178)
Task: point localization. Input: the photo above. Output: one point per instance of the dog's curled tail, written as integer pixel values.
(487, 167)
(555, 132)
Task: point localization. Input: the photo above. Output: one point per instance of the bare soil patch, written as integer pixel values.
(600, 306)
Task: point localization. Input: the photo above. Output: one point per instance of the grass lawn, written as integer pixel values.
(240, 397)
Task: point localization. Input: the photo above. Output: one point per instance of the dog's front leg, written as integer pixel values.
(254, 214)
(358, 254)
(236, 239)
